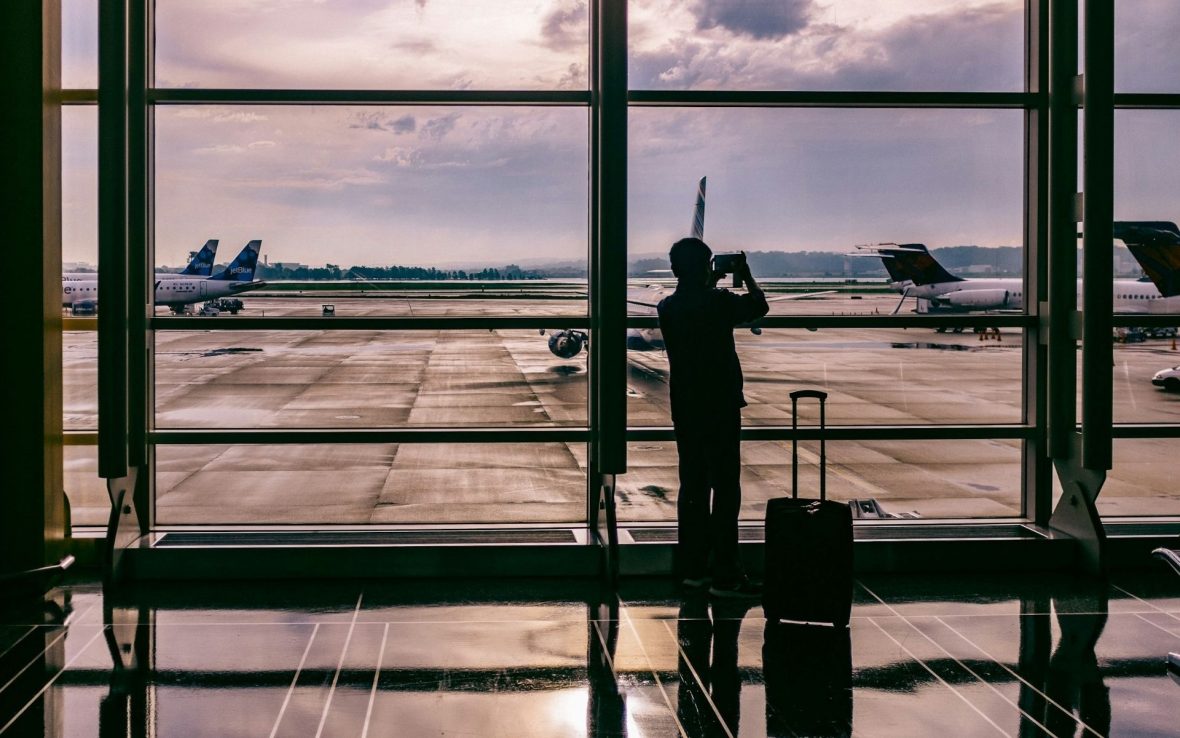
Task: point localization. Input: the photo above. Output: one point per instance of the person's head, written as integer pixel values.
(690, 260)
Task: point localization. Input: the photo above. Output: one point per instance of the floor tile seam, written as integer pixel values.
(65, 630)
(376, 679)
(651, 667)
(972, 672)
(294, 680)
(1021, 679)
(53, 679)
(933, 673)
(31, 630)
(1160, 627)
(339, 665)
(699, 681)
(1154, 607)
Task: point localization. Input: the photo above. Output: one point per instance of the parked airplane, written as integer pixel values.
(928, 280)
(569, 343)
(176, 293)
(201, 265)
(1156, 246)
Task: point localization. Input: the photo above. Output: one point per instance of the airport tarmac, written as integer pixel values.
(222, 378)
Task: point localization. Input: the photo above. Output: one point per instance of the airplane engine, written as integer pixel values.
(977, 299)
(567, 344)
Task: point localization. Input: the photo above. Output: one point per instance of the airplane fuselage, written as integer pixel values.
(178, 291)
(1007, 293)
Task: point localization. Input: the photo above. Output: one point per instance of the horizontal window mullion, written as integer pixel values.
(79, 96)
(190, 96)
(860, 433)
(1147, 100)
(275, 436)
(368, 323)
(873, 321)
(1144, 430)
(80, 438)
(851, 99)
(1145, 321)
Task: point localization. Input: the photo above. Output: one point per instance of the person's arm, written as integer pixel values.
(753, 303)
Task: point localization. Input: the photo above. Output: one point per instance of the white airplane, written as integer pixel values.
(201, 265)
(569, 343)
(176, 293)
(915, 272)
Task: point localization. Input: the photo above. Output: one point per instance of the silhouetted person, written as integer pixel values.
(708, 698)
(697, 323)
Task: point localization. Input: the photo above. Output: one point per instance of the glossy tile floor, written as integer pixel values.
(925, 656)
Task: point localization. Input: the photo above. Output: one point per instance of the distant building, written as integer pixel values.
(290, 265)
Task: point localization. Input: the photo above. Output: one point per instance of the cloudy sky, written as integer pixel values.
(445, 185)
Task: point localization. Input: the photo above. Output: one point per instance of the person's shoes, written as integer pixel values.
(697, 582)
(736, 589)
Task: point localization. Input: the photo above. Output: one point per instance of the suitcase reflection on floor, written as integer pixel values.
(808, 674)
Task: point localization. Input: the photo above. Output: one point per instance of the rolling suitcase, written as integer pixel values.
(808, 574)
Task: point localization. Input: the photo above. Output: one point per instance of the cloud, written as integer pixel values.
(219, 149)
(963, 48)
(262, 145)
(317, 180)
(437, 129)
(759, 19)
(566, 25)
(378, 121)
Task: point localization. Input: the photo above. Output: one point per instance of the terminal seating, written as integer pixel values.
(1172, 557)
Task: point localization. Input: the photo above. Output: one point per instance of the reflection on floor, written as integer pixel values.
(925, 656)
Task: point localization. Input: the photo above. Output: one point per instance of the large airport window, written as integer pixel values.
(874, 376)
(1143, 480)
(79, 44)
(443, 44)
(1145, 46)
(799, 189)
(1147, 169)
(353, 484)
(839, 45)
(908, 479)
(393, 209)
(358, 379)
(79, 184)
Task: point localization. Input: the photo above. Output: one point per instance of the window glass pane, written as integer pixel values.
(929, 479)
(1143, 480)
(876, 376)
(438, 200)
(798, 188)
(443, 44)
(376, 483)
(1146, 381)
(85, 490)
(80, 380)
(79, 44)
(365, 379)
(836, 45)
(79, 185)
(1145, 57)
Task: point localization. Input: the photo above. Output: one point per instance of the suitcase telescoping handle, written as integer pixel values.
(823, 461)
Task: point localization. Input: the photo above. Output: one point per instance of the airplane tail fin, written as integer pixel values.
(1156, 246)
(241, 269)
(914, 262)
(698, 213)
(202, 263)
(889, 259)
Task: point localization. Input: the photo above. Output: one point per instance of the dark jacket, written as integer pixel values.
(697, 326)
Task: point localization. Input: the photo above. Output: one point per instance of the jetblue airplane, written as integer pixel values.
(915, 272)
(569, 343)
(201, 265)
(183, 290)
